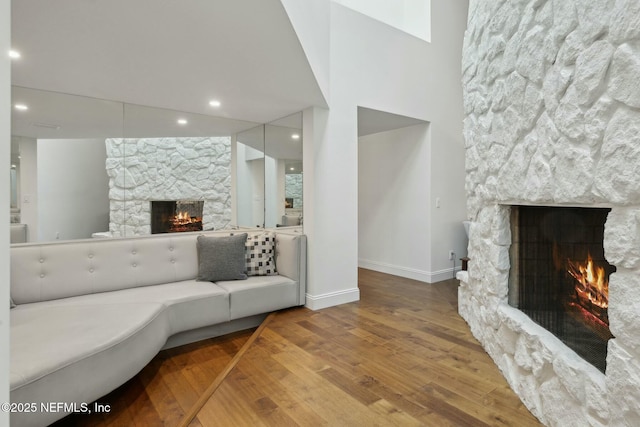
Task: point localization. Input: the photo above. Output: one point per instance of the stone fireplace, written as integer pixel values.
(144, 169)
(559, 275)
(552, 106)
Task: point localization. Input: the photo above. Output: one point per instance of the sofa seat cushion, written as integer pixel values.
(59, 353)
(190, 304)
(260, 294)
(37, 332)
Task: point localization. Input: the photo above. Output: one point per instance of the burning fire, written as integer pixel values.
(593, 284)
(184, 218)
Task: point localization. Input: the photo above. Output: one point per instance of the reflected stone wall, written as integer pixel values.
(293, 189)
(145, 169)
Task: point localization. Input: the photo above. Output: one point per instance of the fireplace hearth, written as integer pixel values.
(175, 216)
(560, 277)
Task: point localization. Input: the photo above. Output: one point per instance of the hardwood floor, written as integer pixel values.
(167, 388)
(400, 356)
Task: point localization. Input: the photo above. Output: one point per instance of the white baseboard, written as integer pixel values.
(318, 302)
(409, 273)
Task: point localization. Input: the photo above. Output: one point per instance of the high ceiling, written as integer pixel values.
(374, 121)
(174, 56)
(171, 54)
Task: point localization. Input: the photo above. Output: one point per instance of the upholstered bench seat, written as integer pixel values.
(190, 304)
(260, 294)
(91, 314)
(53, 346)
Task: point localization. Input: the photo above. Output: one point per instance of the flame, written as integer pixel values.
(593, 284)
(183, 218)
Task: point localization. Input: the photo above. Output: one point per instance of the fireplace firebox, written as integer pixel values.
(559, 276)
(174, 216)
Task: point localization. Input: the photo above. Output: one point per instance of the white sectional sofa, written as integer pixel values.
(90, 314)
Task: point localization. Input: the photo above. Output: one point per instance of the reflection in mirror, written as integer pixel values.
(250, 177)
(175, 174)
(84, 167)
(283, 172)
(61, 185)
(14, 175)
(87, 167)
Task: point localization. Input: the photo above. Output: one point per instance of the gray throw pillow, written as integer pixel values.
(221, 258)
(11, 303)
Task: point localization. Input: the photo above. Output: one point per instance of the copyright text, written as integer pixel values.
(52, 407)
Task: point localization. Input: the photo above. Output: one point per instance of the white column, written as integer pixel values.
(5, 159)
(330, 185)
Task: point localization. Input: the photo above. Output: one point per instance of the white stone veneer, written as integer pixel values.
(552, 101)
(146, 169)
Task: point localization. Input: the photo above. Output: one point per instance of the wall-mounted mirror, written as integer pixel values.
(85, 167)
(61, 181)
(59, 58)
(250, 177)
(283, 172)
(175, 174)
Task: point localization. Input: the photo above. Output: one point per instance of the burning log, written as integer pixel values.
(185, 222)
(592, 286)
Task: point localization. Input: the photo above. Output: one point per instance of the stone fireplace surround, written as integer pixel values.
(552, 103)
(145, 169)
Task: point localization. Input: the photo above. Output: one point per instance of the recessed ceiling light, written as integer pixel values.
(295, 136)
(215, 103)
(13, 166)
(21, 107)
(46, 125)
(182, 121)
(14, 54)
(292, 169)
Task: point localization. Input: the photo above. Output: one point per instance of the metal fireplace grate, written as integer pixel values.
(559, 275)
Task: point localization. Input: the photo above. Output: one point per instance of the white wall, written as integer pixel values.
(281, 189)
(243, 190)
(73, 188)
(310, 21)
(444, 95)
(376, 66)
(393, 203)
(29, 186)
(273, 191)
(249, 166)
(5, 159)
(411, 16)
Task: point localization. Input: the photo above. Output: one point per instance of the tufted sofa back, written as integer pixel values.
(46, 271)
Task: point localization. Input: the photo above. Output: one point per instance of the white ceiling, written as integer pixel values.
(276, 138)
(55, 115)
(171, 54)
(168, 54)
(374, 121)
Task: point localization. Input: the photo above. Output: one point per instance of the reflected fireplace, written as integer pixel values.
(174, 216)
(559, 276)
